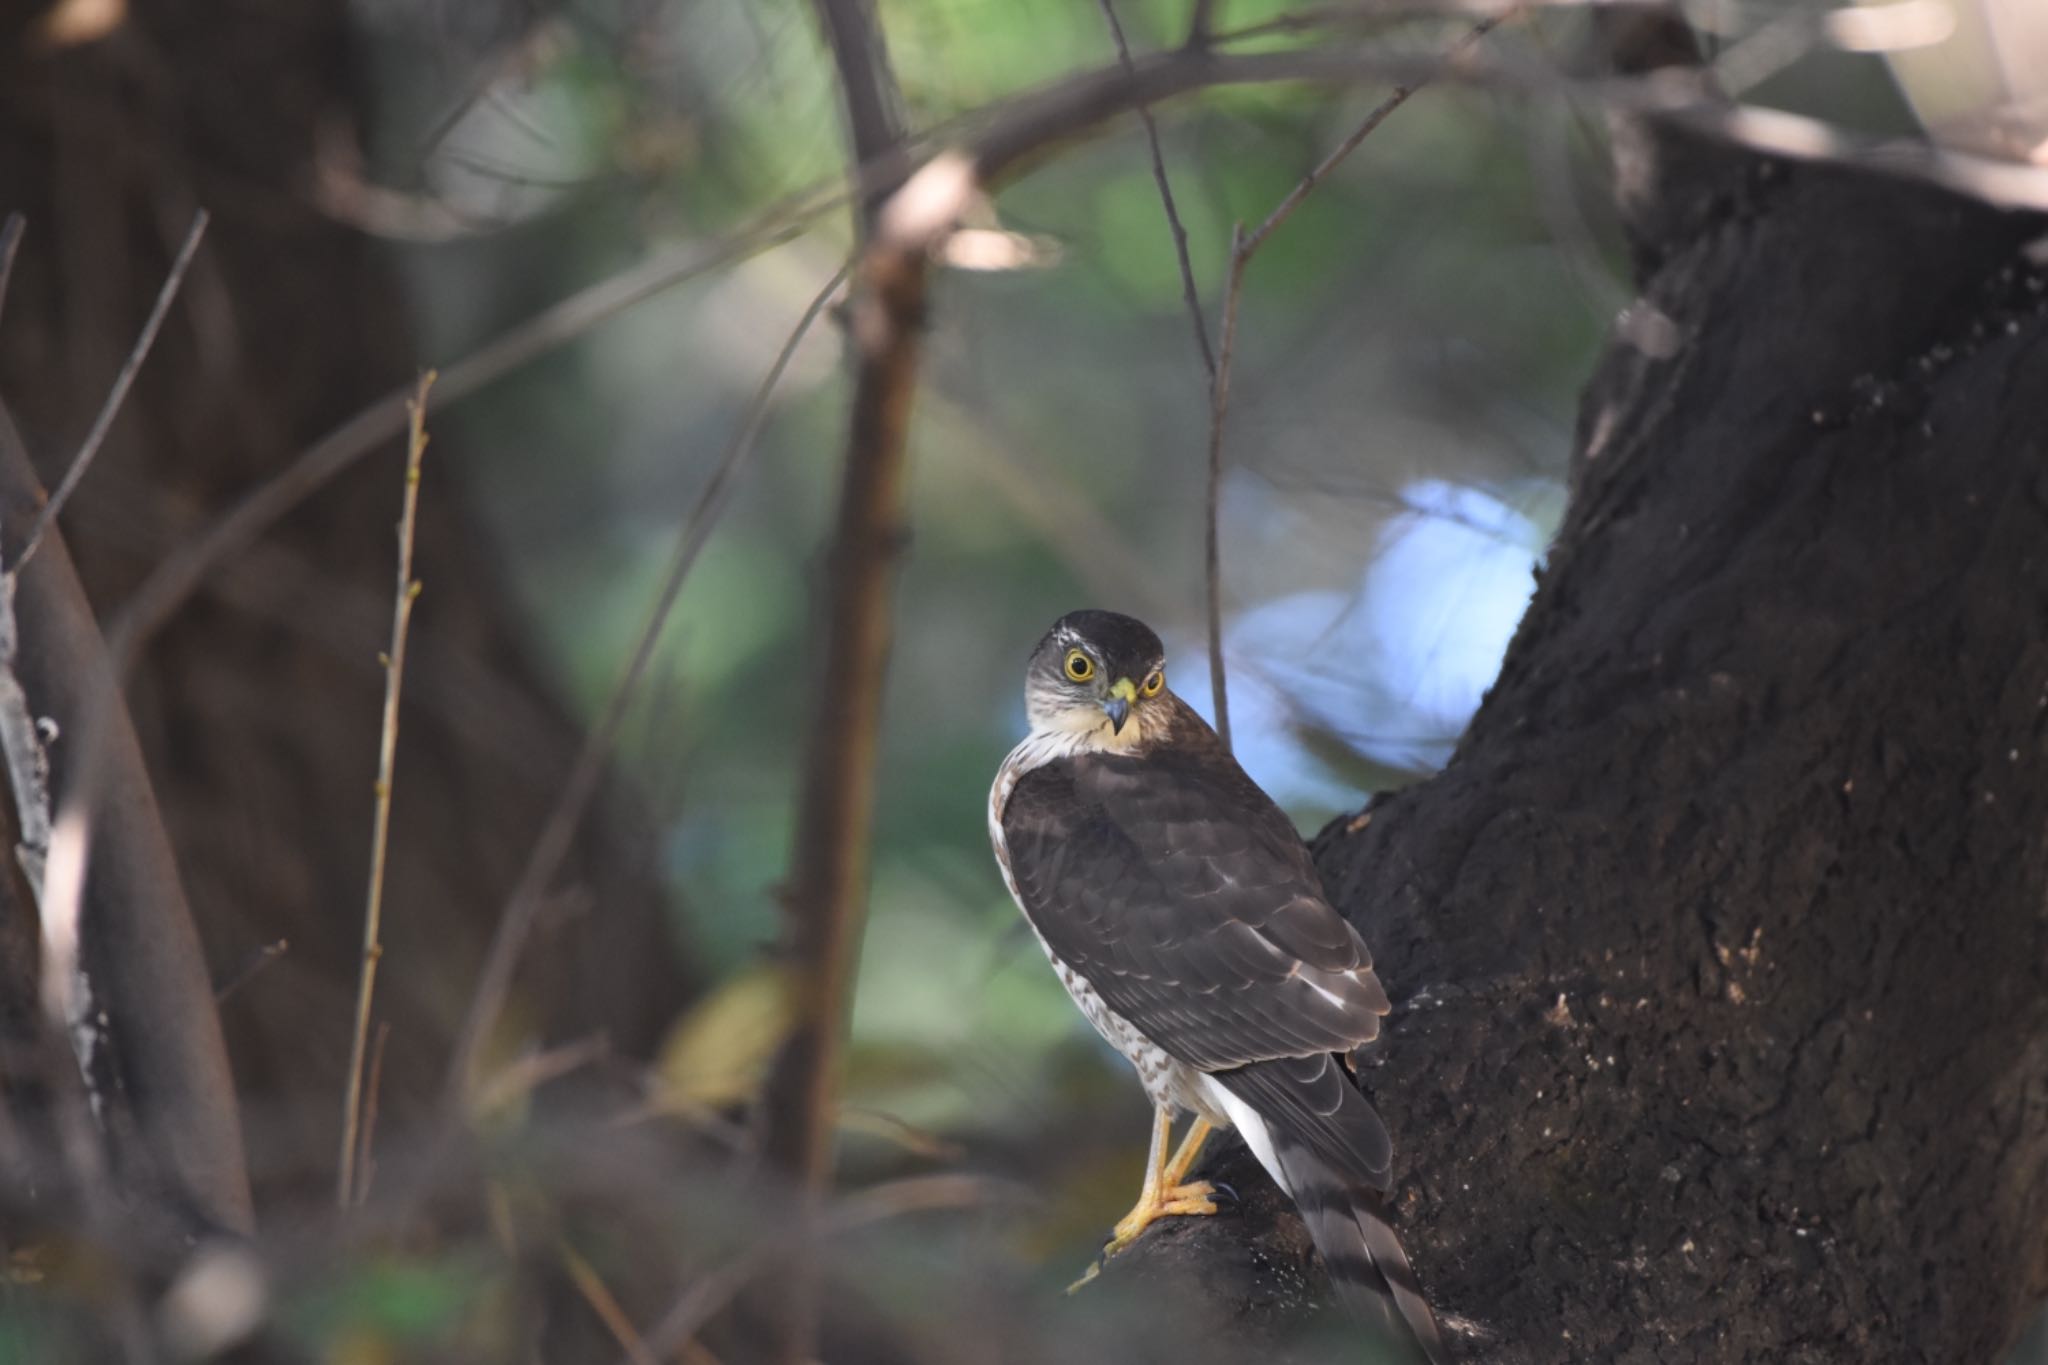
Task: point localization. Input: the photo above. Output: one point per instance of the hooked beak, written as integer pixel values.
(1117, 706)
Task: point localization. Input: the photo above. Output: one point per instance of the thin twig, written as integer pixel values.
(1188, 291)
(373, 1090)
(407, 593)
(1380, 13)
(111, 408)
(1085, 539)
(491, 68)
(1212, 501)
(606, 1305)
(1398, 97)
(1243, 246)
(11, 234)
(173, 580)
(495, 979)
(899, 1133)
(710, 1293)
(997, 139)
(258, 960)
(515, 1081)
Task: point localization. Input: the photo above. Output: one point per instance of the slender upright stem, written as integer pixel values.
(10, 242)
(1243, 246)
(407, 593)
(1219, 408)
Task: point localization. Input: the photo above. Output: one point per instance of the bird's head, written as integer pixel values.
(1101, 674)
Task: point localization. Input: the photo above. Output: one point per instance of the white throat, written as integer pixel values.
(1072, 730)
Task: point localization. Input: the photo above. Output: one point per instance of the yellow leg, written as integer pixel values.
(1165, 1193)
(1184, 1156)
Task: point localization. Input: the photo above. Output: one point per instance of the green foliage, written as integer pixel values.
(391, 1301)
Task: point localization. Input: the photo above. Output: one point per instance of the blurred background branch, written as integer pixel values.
(830, 858)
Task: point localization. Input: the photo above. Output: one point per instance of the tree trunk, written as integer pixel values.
(258, 706)
(1721, 1025)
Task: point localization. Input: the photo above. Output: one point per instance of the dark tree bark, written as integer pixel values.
(162, 1091)
(258, 707)
(1718, 949)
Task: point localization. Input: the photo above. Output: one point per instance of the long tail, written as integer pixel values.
(1319, 1138)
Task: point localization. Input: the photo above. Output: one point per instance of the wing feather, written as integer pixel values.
(1186, 898)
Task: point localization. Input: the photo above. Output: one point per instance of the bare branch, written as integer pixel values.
(407, 594)
(11, 234)
(518, 1079)
(373, 1089)
(494, 981)
(827, 901)
(1401, 93)
(111, 408)
(172, 581)
(251, 969)
(1188, 291)
(1012, 131)
(829, 864)
(1382, 13)
(1243, 246)
(1212, 500)
(1031, 123)
(710, 1293)
(997, 140)
(873, 115)
(605, 1305)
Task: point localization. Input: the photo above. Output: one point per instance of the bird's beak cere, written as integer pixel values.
(1117, 705)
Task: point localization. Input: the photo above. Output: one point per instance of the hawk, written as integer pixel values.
(1181, 910)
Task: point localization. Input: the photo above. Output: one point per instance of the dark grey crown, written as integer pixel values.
(1124, 646)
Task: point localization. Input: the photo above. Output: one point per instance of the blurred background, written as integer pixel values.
(1410, 348)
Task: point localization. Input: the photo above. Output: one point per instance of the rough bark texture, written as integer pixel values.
(1721, 1029)
(258, 708)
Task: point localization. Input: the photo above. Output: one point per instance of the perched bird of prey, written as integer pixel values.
(1181, 911)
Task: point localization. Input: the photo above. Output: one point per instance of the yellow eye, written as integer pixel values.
(1079, 666)
(1153, 682)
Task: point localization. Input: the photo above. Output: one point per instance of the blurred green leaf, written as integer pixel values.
(387, 1301)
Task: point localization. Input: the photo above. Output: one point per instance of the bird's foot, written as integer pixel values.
(1192, 1200)
(1167, 1193)
(1178, 1201)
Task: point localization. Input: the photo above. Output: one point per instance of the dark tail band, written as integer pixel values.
(1331, 1151)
